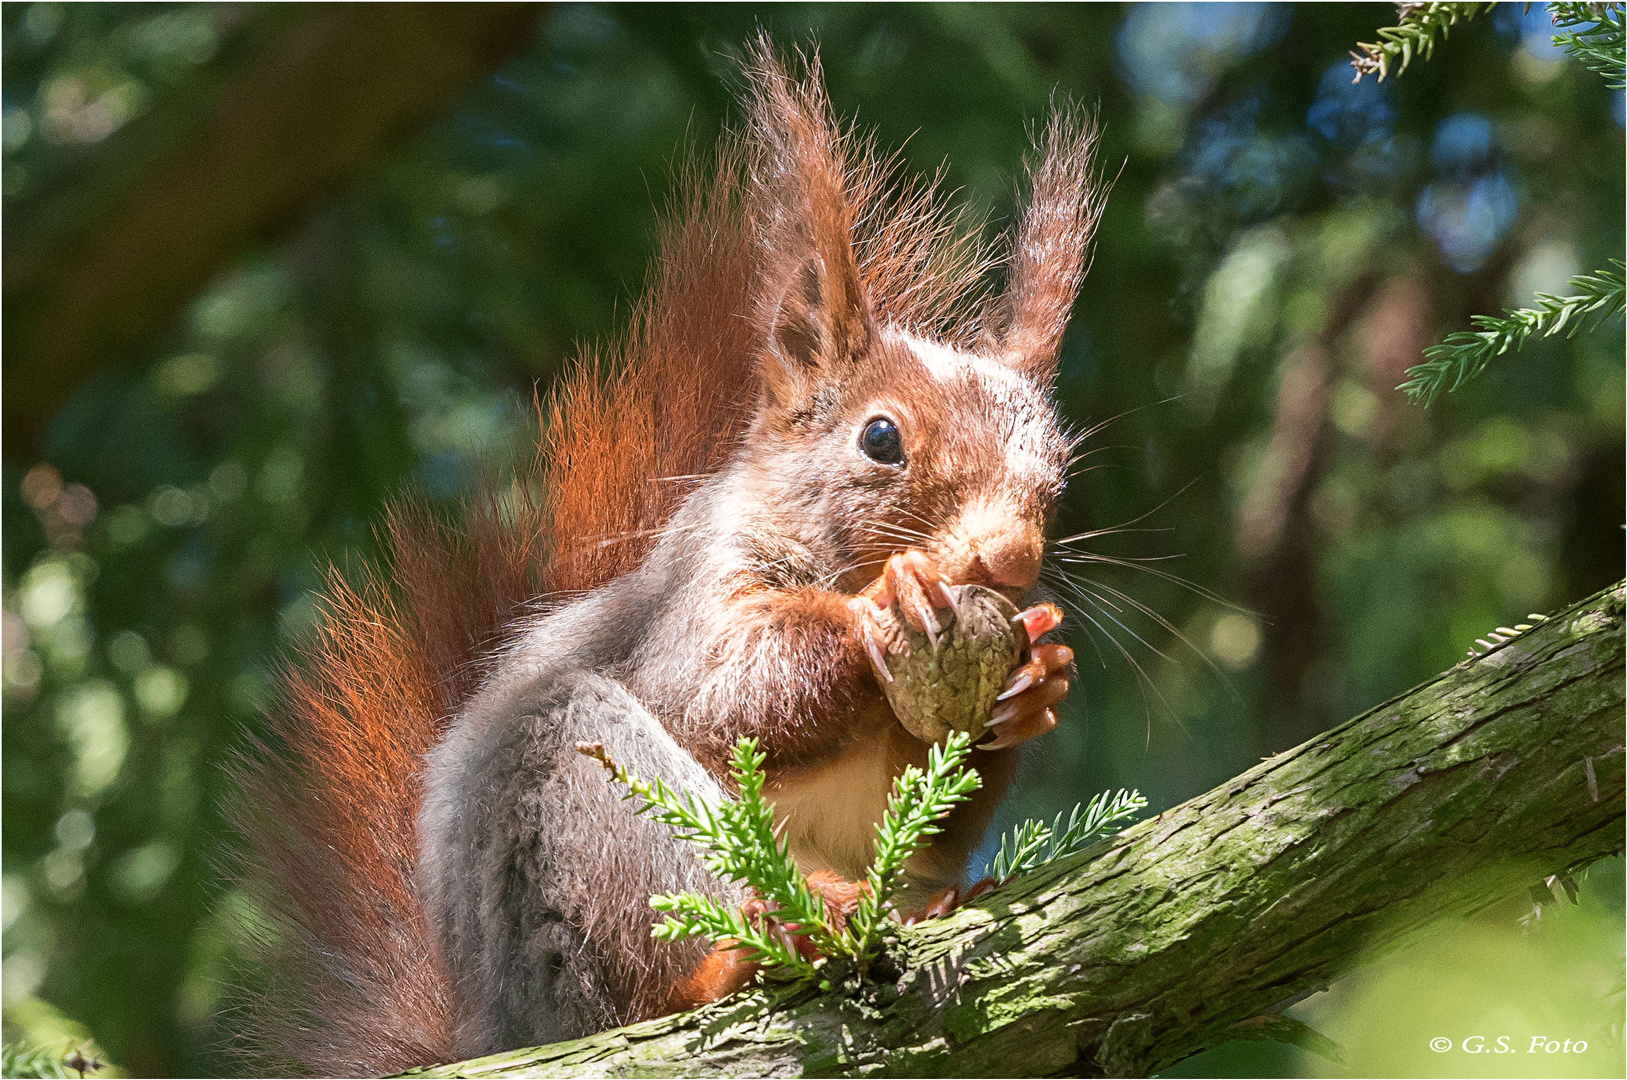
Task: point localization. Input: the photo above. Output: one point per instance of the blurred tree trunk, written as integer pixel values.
(1277, 532)
(302, 100)
(1201, 925)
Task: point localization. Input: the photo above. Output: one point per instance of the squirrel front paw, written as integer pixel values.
(1027, 703)
(913, 581)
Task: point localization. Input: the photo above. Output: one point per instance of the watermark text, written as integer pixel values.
(1507, 1044)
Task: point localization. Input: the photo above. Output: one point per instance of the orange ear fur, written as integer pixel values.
(1048, 252)
(811, 304)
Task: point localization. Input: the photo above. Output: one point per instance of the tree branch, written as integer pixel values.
(306, 99)
(1200, 925)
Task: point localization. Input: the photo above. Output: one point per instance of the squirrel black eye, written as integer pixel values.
(881, 442)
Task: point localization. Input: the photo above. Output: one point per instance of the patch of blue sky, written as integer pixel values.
(1472, 203)
(1259, 172)
(1177, 51)
(1531, 27)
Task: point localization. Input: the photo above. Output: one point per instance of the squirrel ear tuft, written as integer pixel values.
(812, 309)
(1049, 249)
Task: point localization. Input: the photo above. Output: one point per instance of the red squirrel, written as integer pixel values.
(817, 411)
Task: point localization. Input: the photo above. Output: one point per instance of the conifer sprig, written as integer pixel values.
(1596, 35)
(31, 1061)
(1033, 843)
(25, 1060)
(737, 844)
(1465, 354)
(919, 801)
(764, 862)
(1418, 25)
(694, 915)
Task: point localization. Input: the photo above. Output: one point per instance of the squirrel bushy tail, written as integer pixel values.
(330, 798)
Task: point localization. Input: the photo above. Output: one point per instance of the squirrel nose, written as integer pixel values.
(1000, 544)
(1011, 562)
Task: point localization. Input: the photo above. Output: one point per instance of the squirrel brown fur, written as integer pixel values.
(818, 411)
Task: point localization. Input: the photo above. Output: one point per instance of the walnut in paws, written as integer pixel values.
(953, 687)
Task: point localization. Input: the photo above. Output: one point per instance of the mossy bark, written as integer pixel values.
(1200, 925)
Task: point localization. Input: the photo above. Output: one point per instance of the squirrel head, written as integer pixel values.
(896, 409)
(904, 442)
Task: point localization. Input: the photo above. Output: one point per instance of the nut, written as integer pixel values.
(953, 687)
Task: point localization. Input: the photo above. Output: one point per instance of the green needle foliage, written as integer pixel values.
(919, 801)
(1596, 34)
(1465, 354)
(1414, 35)
(738, 844)
(1033, 843)
(22, 1060)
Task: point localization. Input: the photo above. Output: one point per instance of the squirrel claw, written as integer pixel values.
(930, 625)
(916, 583)
(878, 658)
(1023, 730)
(1019, 682)
(1039, 620)
(872, 623)
(944, 901)
(1028, 703)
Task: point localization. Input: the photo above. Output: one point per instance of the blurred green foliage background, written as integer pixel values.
(1279, 246)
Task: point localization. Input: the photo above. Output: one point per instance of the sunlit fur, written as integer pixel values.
(710, 454)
